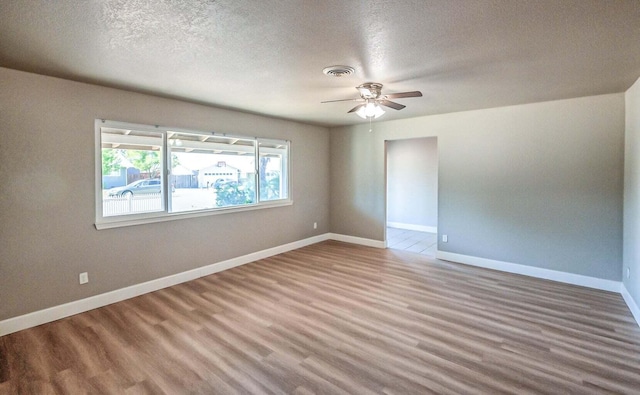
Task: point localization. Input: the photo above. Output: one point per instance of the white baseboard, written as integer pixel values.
(635, 310)
(40, 317)
(548, 274)
(419, 228)
(358, 240)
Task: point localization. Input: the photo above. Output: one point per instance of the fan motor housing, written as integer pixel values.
(370, 90)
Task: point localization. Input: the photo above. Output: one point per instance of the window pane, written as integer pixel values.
(210, 171)
(273, 169)
(145, 173)
(131, 172)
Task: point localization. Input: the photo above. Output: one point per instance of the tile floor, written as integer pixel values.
(411, 240)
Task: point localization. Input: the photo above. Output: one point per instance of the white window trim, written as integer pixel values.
(102, 222)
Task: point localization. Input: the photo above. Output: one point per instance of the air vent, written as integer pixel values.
(338, 71)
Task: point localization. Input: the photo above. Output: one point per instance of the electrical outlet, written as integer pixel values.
(445, 238)
(315, 225)
(628, 272)
(84, 278)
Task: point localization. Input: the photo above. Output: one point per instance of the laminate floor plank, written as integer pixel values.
(336, 318)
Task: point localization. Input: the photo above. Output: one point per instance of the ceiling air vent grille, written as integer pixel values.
(338, 71)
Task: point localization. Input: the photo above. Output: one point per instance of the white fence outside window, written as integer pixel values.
(112, 206)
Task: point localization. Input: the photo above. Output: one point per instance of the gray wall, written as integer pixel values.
(537, 184)
(631, 250)
(412, 181)
(47, 192)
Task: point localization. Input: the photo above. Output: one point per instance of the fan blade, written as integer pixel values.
(391, 104)
(333, 101)
(356, 108)
(403, 94)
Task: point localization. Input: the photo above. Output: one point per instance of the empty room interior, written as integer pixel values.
(209, 197)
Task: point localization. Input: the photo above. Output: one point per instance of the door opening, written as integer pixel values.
(412, 195)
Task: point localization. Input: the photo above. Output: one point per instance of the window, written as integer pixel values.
(147, 174)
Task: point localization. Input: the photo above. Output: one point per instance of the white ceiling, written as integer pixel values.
(267, 56)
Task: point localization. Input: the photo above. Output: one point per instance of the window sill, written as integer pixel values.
(109, 223)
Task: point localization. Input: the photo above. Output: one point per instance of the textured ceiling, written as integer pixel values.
(267, 57)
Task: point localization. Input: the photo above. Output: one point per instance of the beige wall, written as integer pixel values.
(537, 184)
(47, 198)
(631, 250)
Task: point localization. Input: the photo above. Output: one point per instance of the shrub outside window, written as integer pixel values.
(147, 173)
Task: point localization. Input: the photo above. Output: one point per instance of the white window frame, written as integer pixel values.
(102, 222)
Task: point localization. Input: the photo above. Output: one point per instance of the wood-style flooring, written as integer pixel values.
(335, 318)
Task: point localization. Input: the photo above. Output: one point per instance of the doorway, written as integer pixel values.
(412, 195)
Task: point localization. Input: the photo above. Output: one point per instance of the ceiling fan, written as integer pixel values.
(372, 99)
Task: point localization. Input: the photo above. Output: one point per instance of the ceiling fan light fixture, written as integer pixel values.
(379, 112)
(370, 110)
(365, 92)
(372, 100)
(370, 90)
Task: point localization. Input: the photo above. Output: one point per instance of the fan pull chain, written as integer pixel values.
(370, 129)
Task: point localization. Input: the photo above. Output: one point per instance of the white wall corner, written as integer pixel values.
(54, 313)
(547, 274)
(633, 306)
